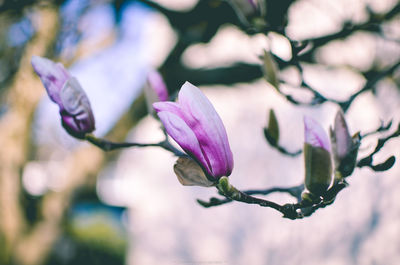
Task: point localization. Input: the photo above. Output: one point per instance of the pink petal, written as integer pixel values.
(169, 107)
(184, 136)
(53, 76)
(157, 84)
(343, 139)
(69, 123)
(74, 98)
(200, 115)
(315, 135)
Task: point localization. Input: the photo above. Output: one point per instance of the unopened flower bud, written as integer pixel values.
(196, 127)
(271, 132)
(270, 69)
(63, 89)
(317, 157)
(344, 147)
(155, 90)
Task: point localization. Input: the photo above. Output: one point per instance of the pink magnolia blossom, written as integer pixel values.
(195, 125)
(63, 89)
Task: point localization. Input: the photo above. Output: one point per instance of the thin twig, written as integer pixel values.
(344, 105)
(301, 209)
(107, 145)
(382, 128)
(295, 191)
(368, 160)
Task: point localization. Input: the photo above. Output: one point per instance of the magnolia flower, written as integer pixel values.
(155, 89)
(65, 90)
(195, 125)
(318, 165)
(344, 147)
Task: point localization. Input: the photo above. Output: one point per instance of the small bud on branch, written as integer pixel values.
(63, 89)
(317, 158)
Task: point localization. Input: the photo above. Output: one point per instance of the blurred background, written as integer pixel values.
(64, 201)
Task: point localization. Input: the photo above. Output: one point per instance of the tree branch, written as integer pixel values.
(371, 25)
(303, 208)
(344, 105)
(389, 162)
(294, 191)
(107, 145)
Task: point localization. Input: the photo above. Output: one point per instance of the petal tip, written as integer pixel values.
(314, 134)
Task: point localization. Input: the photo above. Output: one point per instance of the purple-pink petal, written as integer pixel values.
(156, 83)
(169, 107)
(53, 76)
(75, 110)
(205, 122)
(315, 135)
(184, 136)
(200, 117)
(343, 139)
(69, 123)
(78, 125)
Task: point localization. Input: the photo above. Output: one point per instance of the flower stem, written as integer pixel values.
(299, 210)
(294, 191)
(107, 145)
(234, 194)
